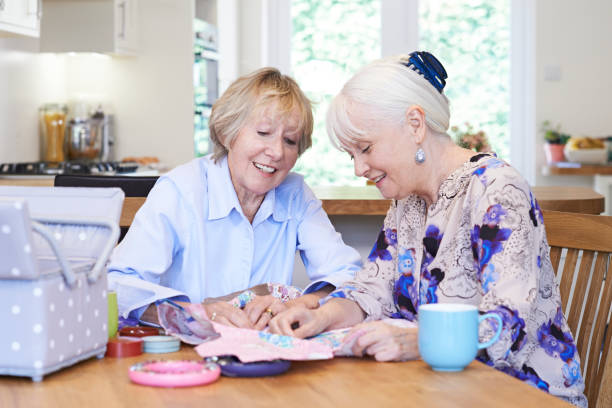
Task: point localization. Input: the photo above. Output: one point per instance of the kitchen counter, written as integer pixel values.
(366, 200)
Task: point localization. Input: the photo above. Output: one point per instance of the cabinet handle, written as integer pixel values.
(39, 10)
(122, 32)
(1, 5)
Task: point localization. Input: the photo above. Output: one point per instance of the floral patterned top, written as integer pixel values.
(483, 243)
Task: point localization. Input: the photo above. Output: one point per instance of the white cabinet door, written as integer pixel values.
(104, 26)
(126, 25)
(20, 17)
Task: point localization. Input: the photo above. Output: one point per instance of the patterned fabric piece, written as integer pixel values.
(483, 243)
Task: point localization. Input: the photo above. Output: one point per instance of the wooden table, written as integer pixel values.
(342, 382)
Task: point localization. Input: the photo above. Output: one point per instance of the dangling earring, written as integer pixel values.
(419, 156)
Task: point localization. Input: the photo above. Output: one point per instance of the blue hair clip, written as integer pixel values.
(427, 65)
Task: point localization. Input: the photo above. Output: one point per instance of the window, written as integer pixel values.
(472, 39)
(331, 39)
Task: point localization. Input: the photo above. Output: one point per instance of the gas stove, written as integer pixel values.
(68, 167)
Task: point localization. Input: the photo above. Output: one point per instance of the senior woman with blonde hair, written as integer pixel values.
(462, 228)
(235, 219)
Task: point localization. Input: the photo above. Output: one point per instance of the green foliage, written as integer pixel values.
(332, 39)
(472, 39)
(553, 135)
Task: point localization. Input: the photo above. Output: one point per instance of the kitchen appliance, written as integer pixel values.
(90, 138)
(52, 129)
(67, 167)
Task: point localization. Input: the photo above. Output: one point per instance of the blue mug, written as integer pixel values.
(448, 334)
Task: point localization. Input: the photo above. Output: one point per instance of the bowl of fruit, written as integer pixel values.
(586, 150)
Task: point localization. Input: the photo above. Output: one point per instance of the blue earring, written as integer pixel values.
(419, 156)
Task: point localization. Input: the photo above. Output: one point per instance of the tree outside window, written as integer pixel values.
(332, 39)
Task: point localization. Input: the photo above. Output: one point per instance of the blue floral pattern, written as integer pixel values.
(482, 242)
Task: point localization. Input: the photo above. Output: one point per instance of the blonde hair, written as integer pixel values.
(260, 87)
(387, 88)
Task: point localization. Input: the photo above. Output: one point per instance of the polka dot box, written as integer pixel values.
(54, 244)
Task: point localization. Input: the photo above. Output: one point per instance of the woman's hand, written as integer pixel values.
(299, 322)
(386, 342)
(309, 301)
(225, 313)
(262, 309)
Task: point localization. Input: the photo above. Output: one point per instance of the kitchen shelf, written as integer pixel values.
(582, 170)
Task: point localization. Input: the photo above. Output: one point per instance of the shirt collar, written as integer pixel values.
(222, 197)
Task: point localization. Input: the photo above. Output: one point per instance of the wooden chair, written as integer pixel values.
(586, 292)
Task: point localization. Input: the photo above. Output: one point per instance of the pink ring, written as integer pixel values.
(174, 373)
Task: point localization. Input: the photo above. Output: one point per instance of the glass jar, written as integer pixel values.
(52, 132)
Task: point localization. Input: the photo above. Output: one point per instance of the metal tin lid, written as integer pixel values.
(138, 331)
(124, 347)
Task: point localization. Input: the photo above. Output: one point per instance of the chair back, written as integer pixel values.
(584, 244)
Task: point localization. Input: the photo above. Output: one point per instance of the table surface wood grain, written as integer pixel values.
(332, 383)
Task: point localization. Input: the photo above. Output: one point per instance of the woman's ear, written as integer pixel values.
(415, 120)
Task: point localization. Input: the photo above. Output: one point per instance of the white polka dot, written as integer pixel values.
(79, 351)
(57, 236)
(37, 292)
(87, 298)
(70, 302)
(104, 327)
(96, 312)
(15, 309)
(61, 358)
(52, 307)
(96, 345)
(27, 248)
(82, 236)
(37, 328)
(15, 346)
(71, 337)
(51, 344)
(103, 294)
(61, 322)
(80, 283)
(79, 318)
(15, 271)
(6, 229)
(61, 287)
(37, 364)
(18, 205)
(88, 333)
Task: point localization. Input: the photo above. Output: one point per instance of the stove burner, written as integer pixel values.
(47, 168)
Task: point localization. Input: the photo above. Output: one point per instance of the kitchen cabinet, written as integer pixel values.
(20, 17)
(103, 26)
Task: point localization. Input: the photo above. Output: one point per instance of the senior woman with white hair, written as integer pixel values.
(462, 228)
(226, 222)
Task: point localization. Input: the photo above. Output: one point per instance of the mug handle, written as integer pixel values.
(499, 328)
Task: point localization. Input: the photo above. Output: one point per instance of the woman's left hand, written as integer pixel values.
(262, 309)
(386, 342)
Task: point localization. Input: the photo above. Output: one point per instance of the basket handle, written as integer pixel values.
(100, 262)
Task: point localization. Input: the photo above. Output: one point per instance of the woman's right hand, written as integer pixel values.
(225, 313)
(299, 322)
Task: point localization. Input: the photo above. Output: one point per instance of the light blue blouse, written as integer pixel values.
(190, 240)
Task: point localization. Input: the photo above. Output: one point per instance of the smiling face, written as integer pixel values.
(263, 153)
(382, 154)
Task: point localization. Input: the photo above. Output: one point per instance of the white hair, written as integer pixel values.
(387, 88)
